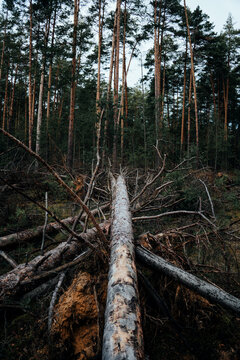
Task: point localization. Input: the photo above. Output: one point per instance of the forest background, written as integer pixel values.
(55, 94)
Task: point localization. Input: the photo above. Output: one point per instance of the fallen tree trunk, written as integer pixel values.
(11, 282)
(51, 228)
(202, 287)
(123, 337)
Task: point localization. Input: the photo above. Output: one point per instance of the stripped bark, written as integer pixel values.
(122, 333)
(208, 291)
(11, 282)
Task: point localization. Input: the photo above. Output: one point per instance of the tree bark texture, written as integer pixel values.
(73, 88)
(11, 282)
(202, 287)
(123, 337)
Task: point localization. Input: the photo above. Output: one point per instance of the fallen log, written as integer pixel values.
(51, 228)
(11, 282)
(123, 337)
(200, 286)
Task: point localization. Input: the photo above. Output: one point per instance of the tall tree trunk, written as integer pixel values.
(157, 65)
(124, 75)
(30, 121)
(193, 79)
(3, 46)
(73, 88)
(226, 92)
(5, 98)
(189, 114)
(12, 98)
(184, 98)
(123, 337)
(116, 82)
(100, 29)
(50, 71)
(40, 98)
(109, 86)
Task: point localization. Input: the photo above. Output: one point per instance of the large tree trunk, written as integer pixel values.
(122, 333)
(202, 287)
(23, 274)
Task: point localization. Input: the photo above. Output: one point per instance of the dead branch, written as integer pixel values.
(178, 212)
(150, 182)
(53, 227)
(63, 225)
(61, 182)
(53, 300)
(122, 332)
(209, 198)
(202, 287)
(8, 259)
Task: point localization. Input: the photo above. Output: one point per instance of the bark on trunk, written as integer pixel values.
(73, 88)
(122, 333)
(203, 288)
(30, 121)
(116, 84)
(31, 234)
(11, 282)
(193, 79)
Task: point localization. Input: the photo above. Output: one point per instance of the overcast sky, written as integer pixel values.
(218, 10)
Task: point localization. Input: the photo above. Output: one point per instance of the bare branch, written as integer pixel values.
(61, 182)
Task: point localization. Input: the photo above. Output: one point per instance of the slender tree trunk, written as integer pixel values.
(226, 92)
(157, 66)
(109, 86)
(100, 29)
(50, 71)
(40, 98)
(162, 96)
(30, 121)
(189, 114)
(73, 88)
(193, 79)
(12, 98)
(124, 74)
(116, 81)
(184, 97)
(3, 46)
(5, 98)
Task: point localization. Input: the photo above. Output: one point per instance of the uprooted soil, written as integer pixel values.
(78, 316)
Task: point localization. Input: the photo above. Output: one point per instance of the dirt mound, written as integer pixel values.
(79, 313)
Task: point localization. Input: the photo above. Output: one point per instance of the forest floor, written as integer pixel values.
(196, 329)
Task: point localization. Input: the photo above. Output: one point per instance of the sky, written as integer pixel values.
(218, 11)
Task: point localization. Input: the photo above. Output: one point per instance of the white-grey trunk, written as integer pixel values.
(39, 115)
(123, 337)
(202, 287)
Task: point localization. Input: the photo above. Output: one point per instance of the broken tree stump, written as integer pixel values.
(123, 337)
(192, 282)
